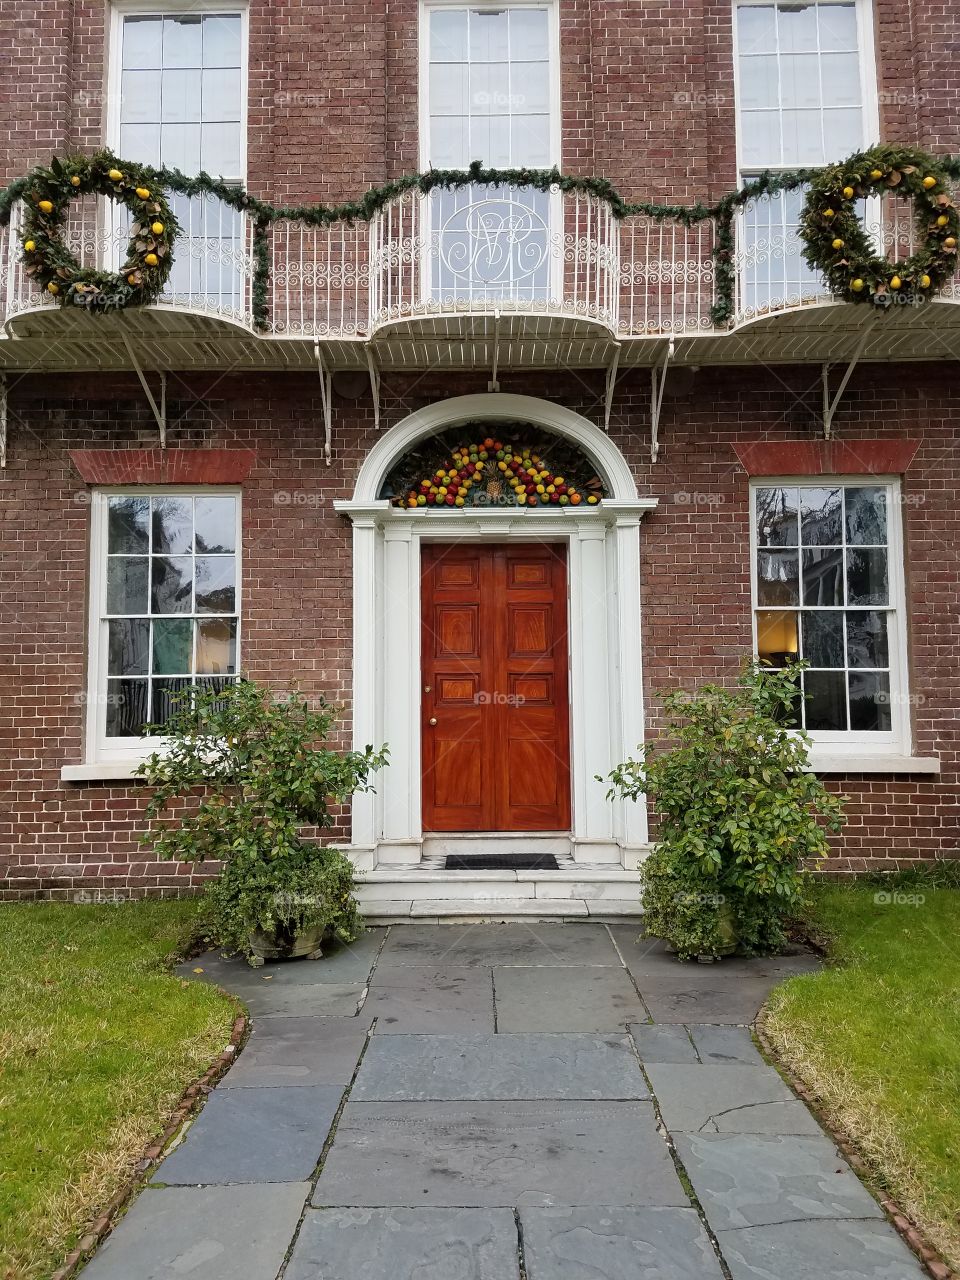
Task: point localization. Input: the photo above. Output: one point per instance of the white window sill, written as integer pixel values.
(824, 761)
(106, 771)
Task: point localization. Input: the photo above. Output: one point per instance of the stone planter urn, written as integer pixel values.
(284, 943)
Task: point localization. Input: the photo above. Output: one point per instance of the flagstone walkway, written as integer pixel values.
(503, 1102)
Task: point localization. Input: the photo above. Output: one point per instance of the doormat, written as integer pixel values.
(501, 862)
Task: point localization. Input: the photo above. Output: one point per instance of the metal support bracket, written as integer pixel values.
(493, 384)
(159, 410)
(658, 378)
(611, 383)
(374, 388)
(830, 405)
(326, 399)
(3, 420)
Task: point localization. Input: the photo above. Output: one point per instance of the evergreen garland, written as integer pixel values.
(936, 259)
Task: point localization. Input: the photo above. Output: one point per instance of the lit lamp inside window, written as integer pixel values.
(777, 640)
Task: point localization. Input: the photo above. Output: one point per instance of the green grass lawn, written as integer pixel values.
(97, 1042)
(877, 1035)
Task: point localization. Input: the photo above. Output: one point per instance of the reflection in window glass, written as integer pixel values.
(822, 589)
(171, 612)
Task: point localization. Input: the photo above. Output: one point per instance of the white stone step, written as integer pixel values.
(499, 909)
(481, 887)
(495, 843)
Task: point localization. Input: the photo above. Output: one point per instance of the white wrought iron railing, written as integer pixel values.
(477, 249)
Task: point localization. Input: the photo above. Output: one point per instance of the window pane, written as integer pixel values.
(489, 90)
(173, 524)
(217, 646)
(777, 517)
(823, 639)
(221, 40)
(216, 520)
(220, 149)
(797, 28)
(173, 646)
(449, 142)
(867, 639)
(530, 86)
(820, 516)
(866, 515)
(760, 137)
(823, 577)
(216, 584)
(128, 647)
(826, 699)
(181, 97)
(759, 82)
(127, 584)
(838, 26)
(170, 588)
(126, 708)
(449, 88)
(777, 577)
(168, 696)
(843, 129)
(141, 142)
(488, 35)
(841, 79)
(448, 35)
(490, 140)
(756, 29)
(182, 41)
(777, 637)
(127, 524)
(530, 141)
(800, 80)
(528, 34)
(140, 91)
(180, 147)
(802, 137)
(866, 577)
(141, 42)
(870, 701)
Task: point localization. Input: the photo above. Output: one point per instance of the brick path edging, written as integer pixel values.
(905, 1226)
(189, 1100)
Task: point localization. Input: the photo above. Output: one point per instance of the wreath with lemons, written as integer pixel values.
(837, 243)
(52, 264)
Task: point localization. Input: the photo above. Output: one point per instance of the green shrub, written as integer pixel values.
(740, 815)
(254, 770)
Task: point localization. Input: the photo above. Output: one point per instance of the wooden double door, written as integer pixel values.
(495, 706)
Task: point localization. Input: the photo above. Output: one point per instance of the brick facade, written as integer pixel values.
(647, 101)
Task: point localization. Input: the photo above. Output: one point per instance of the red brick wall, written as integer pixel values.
(296, 585)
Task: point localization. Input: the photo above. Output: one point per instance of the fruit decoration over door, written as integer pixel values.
(475, 467)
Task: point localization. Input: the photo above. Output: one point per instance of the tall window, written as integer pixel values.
(489, 93)
(803, 100)
(828, 589)
(179, 103)
(165, 605)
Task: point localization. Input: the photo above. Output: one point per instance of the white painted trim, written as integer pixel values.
(603, 556)
(497, 406)
(824, 762)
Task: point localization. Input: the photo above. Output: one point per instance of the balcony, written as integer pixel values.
(477, 277)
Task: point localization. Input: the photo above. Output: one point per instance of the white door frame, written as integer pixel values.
(606, 688)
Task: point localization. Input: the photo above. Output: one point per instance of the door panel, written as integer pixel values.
(494, 649)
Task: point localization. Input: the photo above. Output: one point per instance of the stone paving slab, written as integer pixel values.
(299, 1051)
(719, 1045)
(341, 962)
(469, 946)
(820, 1250)
(406, 1244)
(410, 1000)
(254, 1135)
(696, 1099)
(617, 1244)
(663, 1042)
(569, 999)
(747, 1180)
(475, 1067)
(219, 1233)
(498, 1154)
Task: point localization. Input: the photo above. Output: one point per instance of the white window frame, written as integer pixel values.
(556, 117)
(120, 9)
(131, 751)
(851, 742)
(866, 50)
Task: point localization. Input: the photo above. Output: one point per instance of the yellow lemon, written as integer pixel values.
(75, 181)
(829, 213)
(943, 220)
(848, 193)
(53, 287)
(592, 499)
(30, 246)
(929, 182)
(143, 193)
(114, 175)
(895, 282)
(156, 228)
(838, 243)
(950, 243)
(856, 285)
(876, 173)
(924, 282)
(45, 206)
(151, 259)
(131, 279)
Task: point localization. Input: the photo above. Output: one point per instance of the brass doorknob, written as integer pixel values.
(433, 719)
